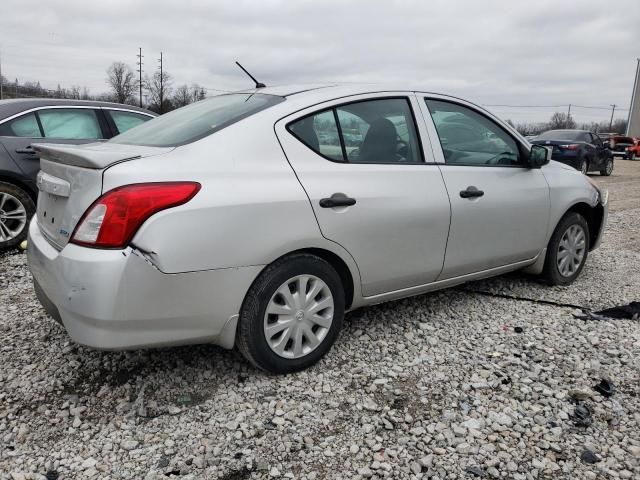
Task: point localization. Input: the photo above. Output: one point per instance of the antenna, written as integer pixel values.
(258, 84)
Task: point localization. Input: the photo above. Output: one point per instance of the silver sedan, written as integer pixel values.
(258, 218)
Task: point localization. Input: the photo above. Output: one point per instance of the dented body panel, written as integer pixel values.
(113, 299)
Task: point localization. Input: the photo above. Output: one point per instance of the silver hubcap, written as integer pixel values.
(571, 250)
(584, 167)
(298, 316)
(609, 167)
(13, 217)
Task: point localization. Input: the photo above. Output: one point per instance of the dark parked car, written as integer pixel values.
(26, 121)
(583, 150)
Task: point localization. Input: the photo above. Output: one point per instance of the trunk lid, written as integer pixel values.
(70, 180)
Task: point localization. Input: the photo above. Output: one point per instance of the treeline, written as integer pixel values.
(159, 93)
(561, 121)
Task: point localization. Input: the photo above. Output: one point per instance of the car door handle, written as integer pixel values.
(27, 150)
(337, 200)
(471, 192)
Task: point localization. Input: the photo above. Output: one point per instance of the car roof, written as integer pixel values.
(12, 107)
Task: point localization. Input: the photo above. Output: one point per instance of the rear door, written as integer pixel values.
(372, 188)
(68, 125)
(499, 206)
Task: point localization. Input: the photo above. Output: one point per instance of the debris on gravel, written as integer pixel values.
(439, 386)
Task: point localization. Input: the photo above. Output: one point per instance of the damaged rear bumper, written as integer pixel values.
(116, 299)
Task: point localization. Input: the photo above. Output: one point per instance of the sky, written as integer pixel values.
(493, 52)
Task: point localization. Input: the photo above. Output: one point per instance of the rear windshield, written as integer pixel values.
(561, 135)
(195, 121)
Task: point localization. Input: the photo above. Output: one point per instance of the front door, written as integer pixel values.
(499, 206)
(363, 168)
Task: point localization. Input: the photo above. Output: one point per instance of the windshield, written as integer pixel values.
(195, 121)
(561, 135)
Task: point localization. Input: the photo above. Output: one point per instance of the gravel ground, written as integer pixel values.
(463, 383)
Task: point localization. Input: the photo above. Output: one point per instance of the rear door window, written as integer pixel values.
(24, 126)
(369, 131)
(126, 120)
(70, 123)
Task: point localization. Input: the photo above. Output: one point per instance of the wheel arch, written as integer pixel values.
(593, 215)
(14, 180)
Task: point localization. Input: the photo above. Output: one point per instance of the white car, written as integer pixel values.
(246, 219)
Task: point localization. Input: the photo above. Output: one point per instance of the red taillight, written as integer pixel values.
(113, 219)
(573, 146)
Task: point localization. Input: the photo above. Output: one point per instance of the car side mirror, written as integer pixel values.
(539, 156)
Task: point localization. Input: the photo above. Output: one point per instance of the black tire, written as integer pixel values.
(551, 273)
(608, 168)
(583, 166)
(20, 196)
(250, 336)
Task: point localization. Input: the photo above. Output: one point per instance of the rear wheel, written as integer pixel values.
(584, 166)
(292, 314)
(567, 250)
(16, 209)
(608, 168)
(632, 156)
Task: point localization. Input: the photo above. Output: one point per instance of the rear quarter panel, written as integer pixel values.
(250, 210)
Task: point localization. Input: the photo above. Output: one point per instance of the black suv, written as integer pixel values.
(27, 121)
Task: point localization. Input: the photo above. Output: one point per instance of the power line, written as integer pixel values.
(553, 106)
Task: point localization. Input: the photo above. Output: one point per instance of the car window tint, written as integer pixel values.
(70, 124)
(320, 133)
(469, 138)
(379, 131)
(127, 120)
(24, 126)
(198, 120)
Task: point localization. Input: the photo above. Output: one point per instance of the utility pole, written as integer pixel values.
(161, 92)
(613, 109)
(140, 72)
(16, 87)
(569, 112)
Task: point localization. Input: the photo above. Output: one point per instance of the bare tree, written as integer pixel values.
(160, 88)
(122, 81)
(561, 120)
(182, 96)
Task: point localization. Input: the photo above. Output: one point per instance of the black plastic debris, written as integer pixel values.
(587, 456)
(622, 312)
(629, 312)
(518, 329)
(582, 415)
(604, 388)
(475, 470)
(52, 475)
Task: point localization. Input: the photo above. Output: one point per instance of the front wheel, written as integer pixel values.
(16, 209)
(292, 314)
(567, 250)
(608, 168)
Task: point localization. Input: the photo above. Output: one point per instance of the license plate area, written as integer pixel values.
(51, 214)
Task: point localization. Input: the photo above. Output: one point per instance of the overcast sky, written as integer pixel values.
(535, 52)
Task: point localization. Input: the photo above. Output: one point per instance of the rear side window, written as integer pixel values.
(24, 126)
(70, 123)
(370, 131)
(127, 120)
(198, 120)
